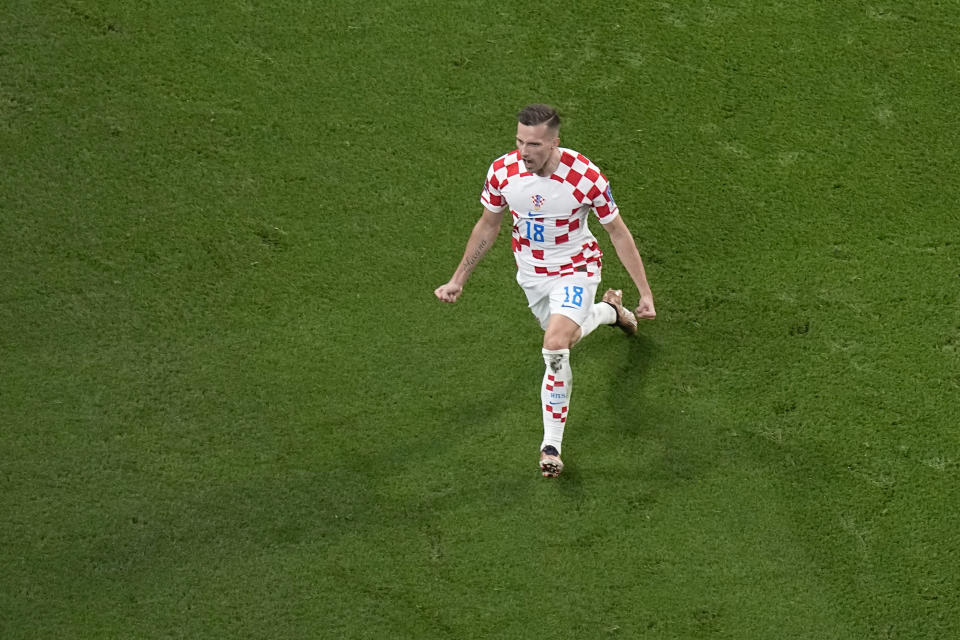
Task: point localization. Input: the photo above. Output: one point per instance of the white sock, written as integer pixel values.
(555, 395)
(600, 313)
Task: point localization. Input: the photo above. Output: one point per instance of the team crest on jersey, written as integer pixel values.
(538, 201)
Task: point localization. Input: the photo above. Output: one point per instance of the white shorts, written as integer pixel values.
(570, 295)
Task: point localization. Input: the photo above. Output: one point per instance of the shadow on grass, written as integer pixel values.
(664, 440)
(632, 367)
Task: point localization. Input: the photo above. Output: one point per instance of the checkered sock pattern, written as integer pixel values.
(555, 395)
(600, 313)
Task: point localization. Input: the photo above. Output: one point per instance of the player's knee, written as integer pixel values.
(555, 341)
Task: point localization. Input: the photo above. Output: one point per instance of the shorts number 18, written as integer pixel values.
(577, 298)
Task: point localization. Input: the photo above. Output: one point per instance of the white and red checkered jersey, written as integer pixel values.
(550, 233)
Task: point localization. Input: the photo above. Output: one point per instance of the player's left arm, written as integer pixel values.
(629, 256)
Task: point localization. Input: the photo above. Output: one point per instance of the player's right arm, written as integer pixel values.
(481, 239)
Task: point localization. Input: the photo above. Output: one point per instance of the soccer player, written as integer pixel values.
(550, 192)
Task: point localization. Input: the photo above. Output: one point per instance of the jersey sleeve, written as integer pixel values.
(601, 200)
(490, 197)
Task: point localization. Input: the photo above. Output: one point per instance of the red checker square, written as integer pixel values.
(594, 193)
(537, 254)
(592, 174)
(562, 238)
(573, 177)
(574, 225)
(513, 170)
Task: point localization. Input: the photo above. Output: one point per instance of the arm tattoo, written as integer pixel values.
(472, 261)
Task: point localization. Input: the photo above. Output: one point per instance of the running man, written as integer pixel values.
(550, 191)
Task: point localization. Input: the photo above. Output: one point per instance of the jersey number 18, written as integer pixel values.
(537, 229)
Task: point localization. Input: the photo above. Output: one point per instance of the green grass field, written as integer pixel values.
(230, 406)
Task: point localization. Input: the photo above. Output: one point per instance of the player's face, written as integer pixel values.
(537, 144)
